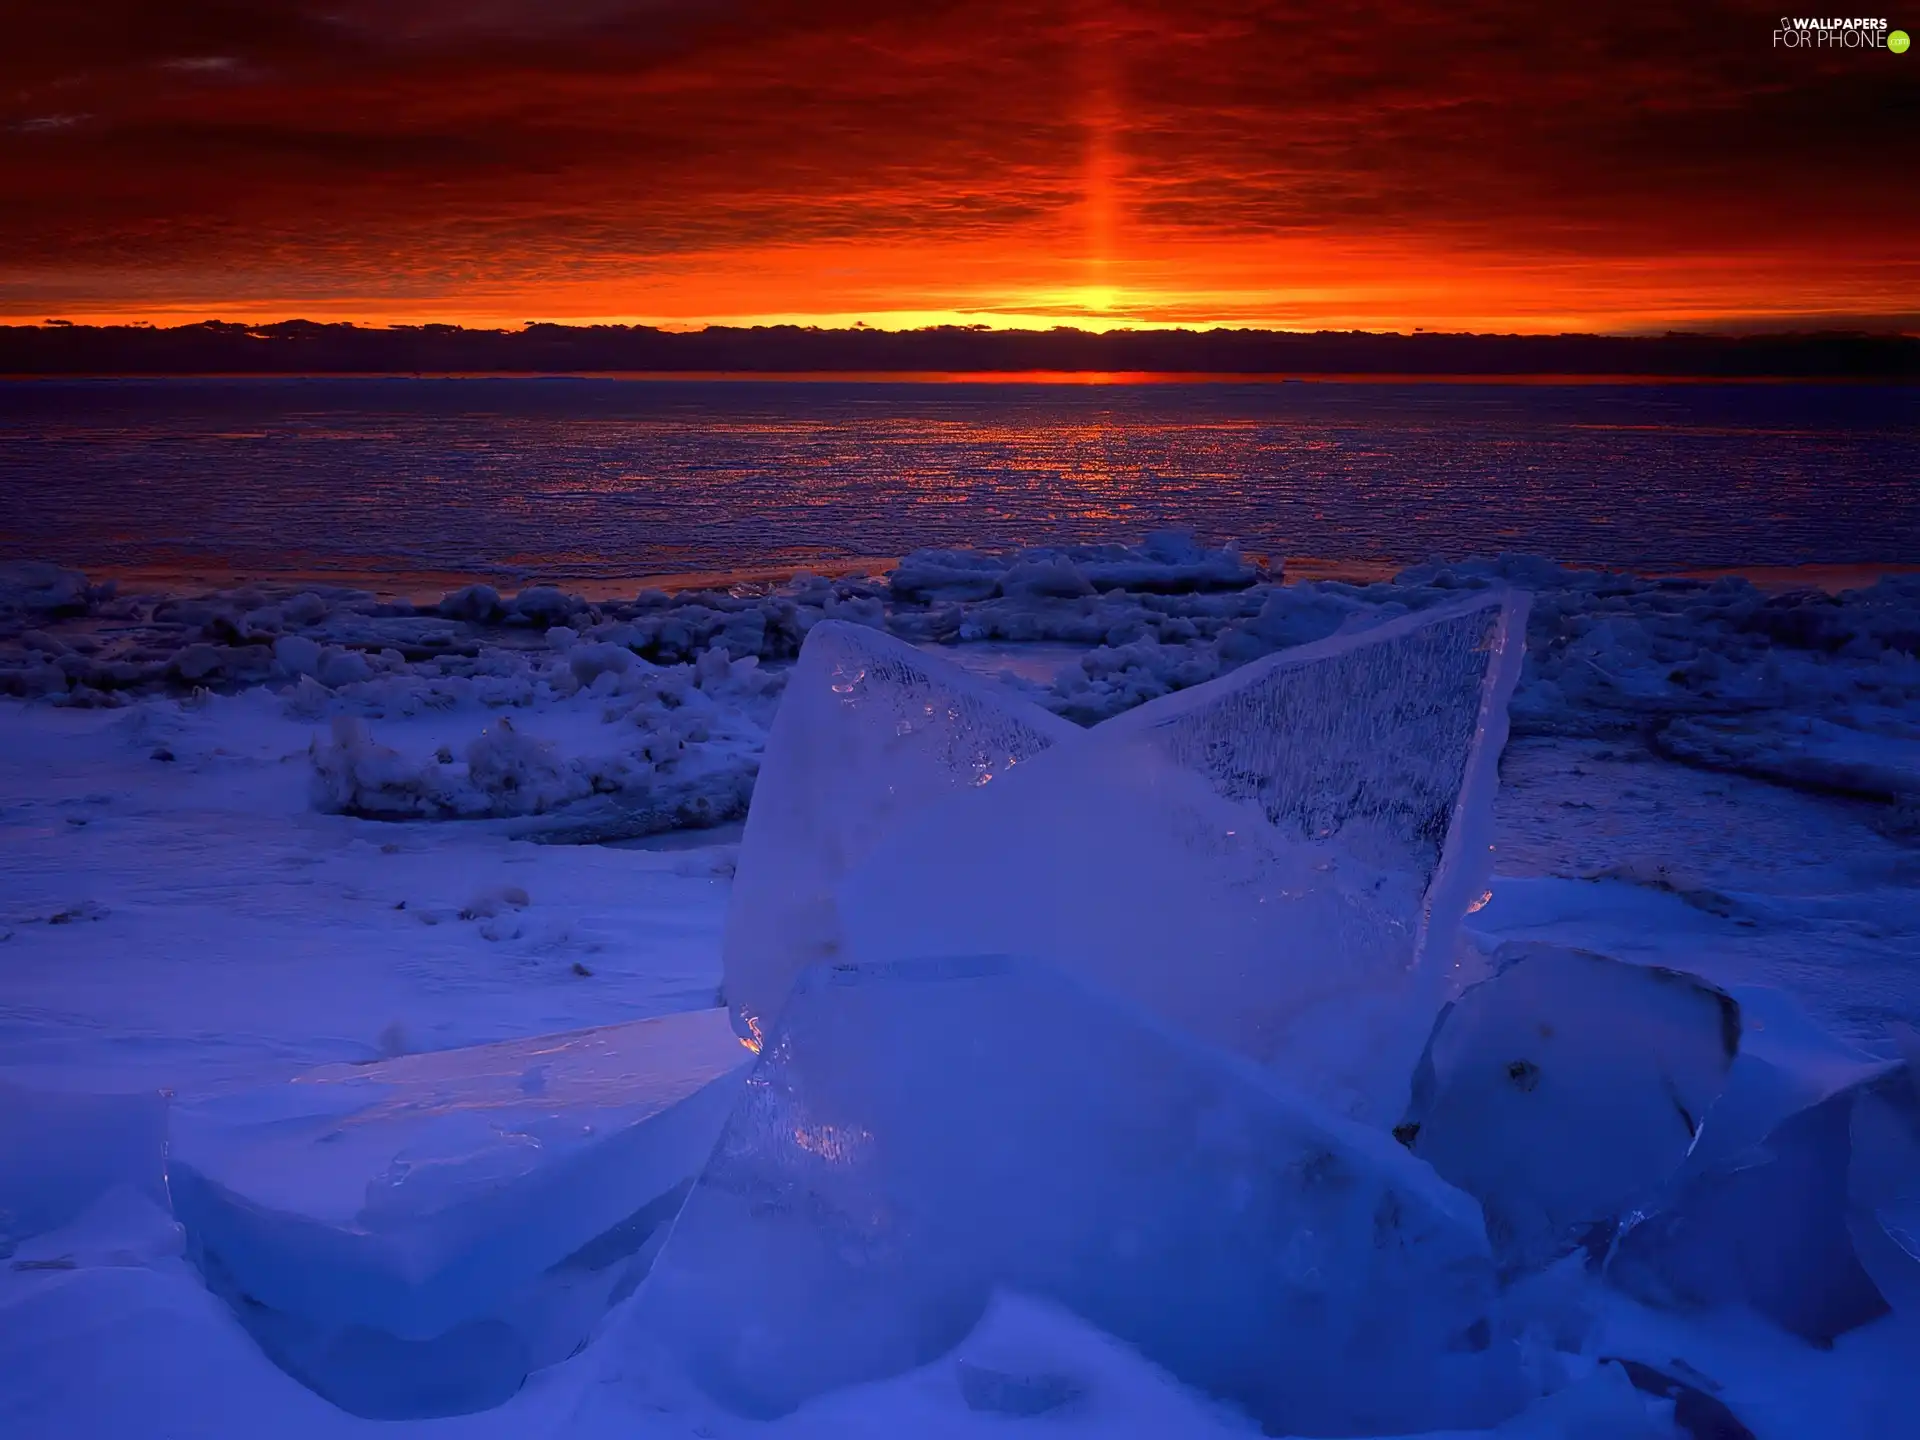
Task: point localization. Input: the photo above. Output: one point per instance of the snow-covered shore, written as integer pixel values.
(615, 718)
(195, 924)
(214, 870)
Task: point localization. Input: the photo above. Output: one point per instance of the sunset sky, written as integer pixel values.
(1510, 166)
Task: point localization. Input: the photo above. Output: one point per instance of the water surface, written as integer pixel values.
(595, 477)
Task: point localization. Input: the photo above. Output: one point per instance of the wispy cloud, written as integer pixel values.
(202, 64)
(47, 124)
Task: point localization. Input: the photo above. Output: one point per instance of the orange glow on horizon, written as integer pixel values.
(1179, 284)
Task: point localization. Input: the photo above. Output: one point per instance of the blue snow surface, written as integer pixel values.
(292, 870)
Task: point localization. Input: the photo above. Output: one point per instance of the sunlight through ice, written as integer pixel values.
(870, 732)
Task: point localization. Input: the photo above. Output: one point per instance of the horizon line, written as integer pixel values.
(1837, 326)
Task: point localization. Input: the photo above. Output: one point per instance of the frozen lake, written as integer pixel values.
(582, 479)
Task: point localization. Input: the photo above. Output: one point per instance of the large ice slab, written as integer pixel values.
(916, 1135)
(413, 1237)
(1277, 861)
(1567, 1088)
(869, 731)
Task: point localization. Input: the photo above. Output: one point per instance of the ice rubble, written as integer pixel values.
(1272, 864)
(412, 1237)
(1706, 1146)
(1800, 687)
(665, 748)
(916, 1135)
(1277, 861)
(1770, 1234)
(1167, 562)
(33, 589)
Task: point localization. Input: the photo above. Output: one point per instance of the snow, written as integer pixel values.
(189, 902)
(1803, 750)
(191, 922)
(61, 1152)
(673, 747)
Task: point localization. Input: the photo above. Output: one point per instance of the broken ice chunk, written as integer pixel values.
(869, 731)
(1787, 1064)
(409, 1237)
(1761, 1213)
(917, 1134)
(1278, 860)
(1771, 1235)
(1566, 1088)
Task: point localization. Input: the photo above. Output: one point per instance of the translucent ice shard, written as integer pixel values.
(1567, 1088)
(870, 731)
(916, 1135)
(1278, 861)
(1771, 1234)
(1783, 1203)
(1378, 748)
(412, 1238)
(1787, 1064)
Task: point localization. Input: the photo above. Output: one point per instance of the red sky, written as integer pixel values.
(1513, 166)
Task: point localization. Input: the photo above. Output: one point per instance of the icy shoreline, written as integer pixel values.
(183, 912)
(615, 718)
